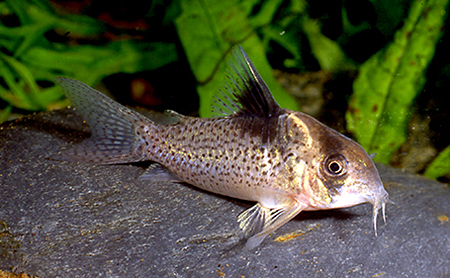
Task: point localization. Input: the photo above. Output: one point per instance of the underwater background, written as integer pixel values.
(377, 71)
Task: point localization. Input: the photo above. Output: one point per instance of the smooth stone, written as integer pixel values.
(65, 219)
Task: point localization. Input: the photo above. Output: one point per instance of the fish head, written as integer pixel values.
(342, 173)
(351, 178)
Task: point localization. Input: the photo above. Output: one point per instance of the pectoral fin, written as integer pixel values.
(258, 221)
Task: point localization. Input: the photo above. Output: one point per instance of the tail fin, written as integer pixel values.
(114, 138)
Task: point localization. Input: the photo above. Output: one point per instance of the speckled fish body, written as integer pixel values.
(253, 150)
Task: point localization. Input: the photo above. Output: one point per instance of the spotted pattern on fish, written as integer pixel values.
(253, 150)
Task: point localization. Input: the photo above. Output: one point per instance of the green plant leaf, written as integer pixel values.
(5, 113)
(208, 29)
(328, 53)
(92, 63)
(15, 94)
(390, 80)
(440, 165)
(24, 73)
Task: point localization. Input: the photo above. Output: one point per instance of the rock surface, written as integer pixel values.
(65, 219)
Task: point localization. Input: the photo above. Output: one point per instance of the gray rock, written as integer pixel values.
(65, 219)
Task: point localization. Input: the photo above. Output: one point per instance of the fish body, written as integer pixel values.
(254, 150)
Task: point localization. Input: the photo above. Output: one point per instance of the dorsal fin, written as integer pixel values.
(244, 93)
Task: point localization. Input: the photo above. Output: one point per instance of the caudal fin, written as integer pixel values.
(113, 126)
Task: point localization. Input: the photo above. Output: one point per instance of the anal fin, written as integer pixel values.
(258, 222)
(157, 172)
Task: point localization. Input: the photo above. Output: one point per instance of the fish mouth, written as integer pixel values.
(379, 202)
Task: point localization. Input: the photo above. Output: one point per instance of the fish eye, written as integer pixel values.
(335, 165)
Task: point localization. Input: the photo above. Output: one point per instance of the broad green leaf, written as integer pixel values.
(440, 165)
(390, 80)
(208, 29)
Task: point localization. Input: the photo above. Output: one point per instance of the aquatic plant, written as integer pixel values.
(388, 44)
